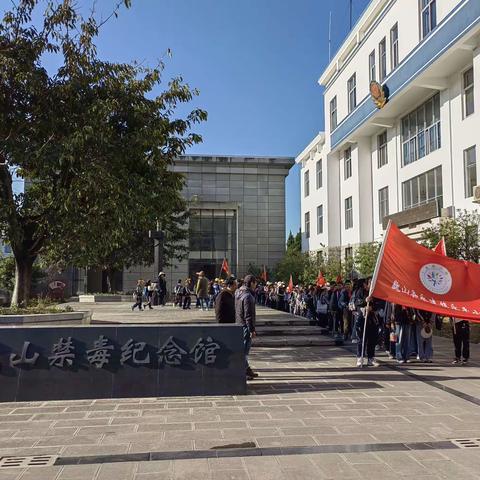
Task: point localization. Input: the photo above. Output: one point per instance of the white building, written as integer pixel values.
(416, 158)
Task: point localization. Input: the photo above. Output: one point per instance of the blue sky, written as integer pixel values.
(255, 62)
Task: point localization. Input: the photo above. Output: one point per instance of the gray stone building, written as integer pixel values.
(237, 212)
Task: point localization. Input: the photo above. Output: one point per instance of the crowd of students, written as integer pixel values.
(345, 309)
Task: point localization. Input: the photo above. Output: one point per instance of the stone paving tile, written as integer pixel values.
(46, 473)
(225, 463)
(85, 450)
(230, 475)
(116, 471)
(160, 466)
(68, 440)
(78, 472)
(164, 427)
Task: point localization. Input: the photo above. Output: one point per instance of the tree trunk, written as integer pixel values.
(23, 281)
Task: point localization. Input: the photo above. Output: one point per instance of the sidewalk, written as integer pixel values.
(310, 415)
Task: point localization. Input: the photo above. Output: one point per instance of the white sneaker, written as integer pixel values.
(372, 363)
(359, 362)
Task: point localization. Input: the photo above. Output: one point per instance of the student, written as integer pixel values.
(425, 335)
(179, 292)
(138, 296)
(461, 340)
(225, 302)
(188, 292)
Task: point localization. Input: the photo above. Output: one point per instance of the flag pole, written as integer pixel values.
(372, 285)
(379, 259)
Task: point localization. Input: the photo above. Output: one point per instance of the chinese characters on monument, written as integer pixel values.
(64, 354)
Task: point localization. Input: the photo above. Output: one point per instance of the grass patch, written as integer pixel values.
(37, 307)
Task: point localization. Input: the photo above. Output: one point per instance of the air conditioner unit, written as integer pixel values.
(448, 212)
(476, 194)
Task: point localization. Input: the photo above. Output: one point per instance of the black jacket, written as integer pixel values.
(225, 307)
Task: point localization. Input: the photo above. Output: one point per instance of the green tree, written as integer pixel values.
(461, 236)
(91, 139)
(7, 274)
(366, 258)
(294, 243)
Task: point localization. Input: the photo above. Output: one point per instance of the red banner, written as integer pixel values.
(412, 275)
(441, 248)
(321, 280)
(290, 285)
(225, 267)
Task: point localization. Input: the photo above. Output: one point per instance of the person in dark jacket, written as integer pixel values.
(162, 289)
(245, 314)
(225, 302)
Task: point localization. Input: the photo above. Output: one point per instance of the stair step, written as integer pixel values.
(300, 322)
(297, 341)
(288, 331)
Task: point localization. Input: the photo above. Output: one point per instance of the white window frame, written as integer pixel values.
(428, 7)
(319, 219)
(348, 213)
(394, 51)
(383, 204)
(307, 225)
(382, 149)
(372, 67)
(382, 60)
(468, 89)
(306, 183)
(352, 93)
(427, 136)
(470, 171)
(319, 174)
(333, 114)
(414, 184)
(347, 163)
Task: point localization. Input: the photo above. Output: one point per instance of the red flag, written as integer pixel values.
(290, 285)
(225, 267)
(264, 275)
(410, 274)
(441, 248)
(320, 280)
(339, 279)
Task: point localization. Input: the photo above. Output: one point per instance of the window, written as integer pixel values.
(348, 213)
(372, 67)
(470, 170)
(212, 236)
(382, 150)
(352, 92)
(320, 219)
(421, 131)
(307, 224)
(333, 113)
(394, 55)
(382, 204)
(347, 163)
(348, 253)
(382, 59)
(319, 172)
(306, 184)
(423, 188)
(428, 16)
(468, 96)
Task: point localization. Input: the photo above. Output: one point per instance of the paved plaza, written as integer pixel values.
(310, 415)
